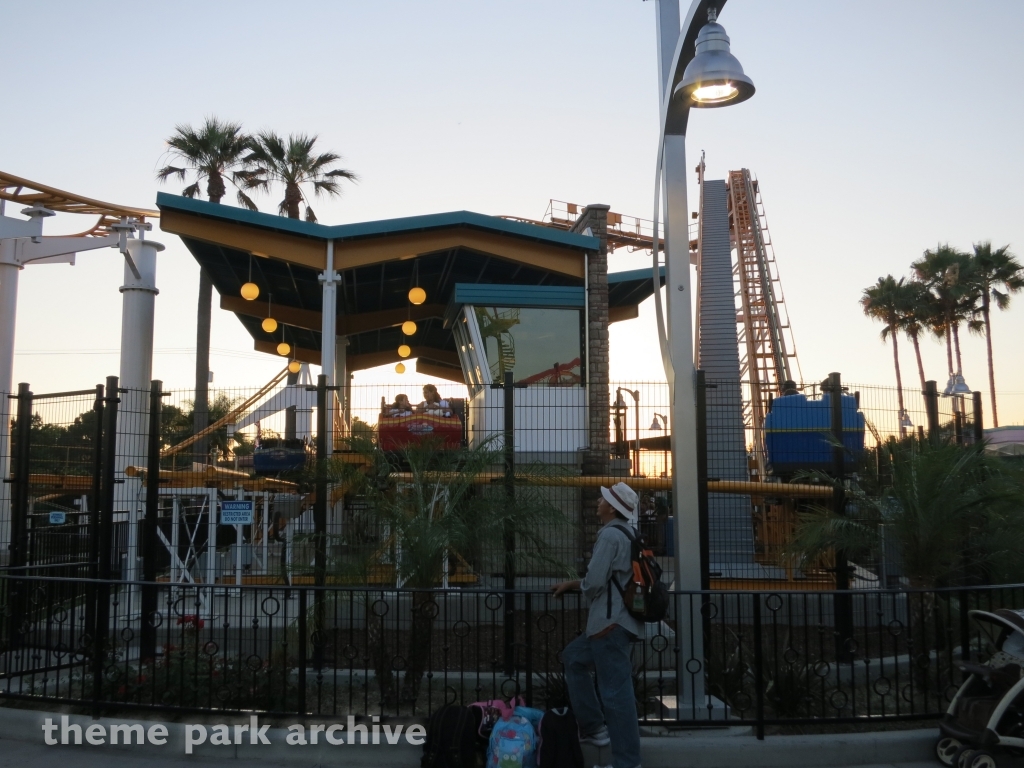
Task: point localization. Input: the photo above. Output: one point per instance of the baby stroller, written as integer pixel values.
(986, 716)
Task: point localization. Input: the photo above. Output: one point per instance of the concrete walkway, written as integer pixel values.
(22, 745)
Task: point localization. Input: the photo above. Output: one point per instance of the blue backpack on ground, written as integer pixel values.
(531, 714)
(513, 743)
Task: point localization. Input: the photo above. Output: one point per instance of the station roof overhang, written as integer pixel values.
(378, 262)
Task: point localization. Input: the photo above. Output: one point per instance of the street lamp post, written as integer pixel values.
(696, 69)
(619, 402)
(661, 422)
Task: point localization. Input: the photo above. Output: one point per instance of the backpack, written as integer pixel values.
(645, 596)
(531, 714)
(492, 711)
(513, 743)
(452, 740)
(559, 740)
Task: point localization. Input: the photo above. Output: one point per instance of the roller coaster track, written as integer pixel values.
(766, 342)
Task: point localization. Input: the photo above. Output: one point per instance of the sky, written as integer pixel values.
(878, 130)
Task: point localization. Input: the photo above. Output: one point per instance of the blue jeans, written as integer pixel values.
(609, 658)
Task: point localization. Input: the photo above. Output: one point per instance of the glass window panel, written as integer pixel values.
(467, 358)
(543, 347)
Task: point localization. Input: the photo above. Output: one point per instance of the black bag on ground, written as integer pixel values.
(559, 740)
(645, 595)
(452, 740)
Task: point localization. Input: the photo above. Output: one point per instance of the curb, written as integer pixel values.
(732, 747)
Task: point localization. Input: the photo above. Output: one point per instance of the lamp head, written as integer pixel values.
(400, 368)
(960, 386)
(714, 77)
(250, 291)
(294, 366)
(655, 424)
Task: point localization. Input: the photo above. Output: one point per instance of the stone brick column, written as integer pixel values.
(595, 459)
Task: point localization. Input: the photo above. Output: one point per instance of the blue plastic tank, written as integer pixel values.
(798, 433)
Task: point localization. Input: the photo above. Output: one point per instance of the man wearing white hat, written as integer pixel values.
(604, 649)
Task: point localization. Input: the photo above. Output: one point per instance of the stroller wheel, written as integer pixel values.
(981, 759)
(945, 749)
(963, 756)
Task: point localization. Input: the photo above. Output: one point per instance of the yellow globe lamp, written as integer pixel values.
(417, 295)
(250, 291)
(408, 327)
(294, 366)
(400, 368)
(284, 349)
(269, 325)
(404, 350)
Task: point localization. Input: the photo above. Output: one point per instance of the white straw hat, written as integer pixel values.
(623, 499)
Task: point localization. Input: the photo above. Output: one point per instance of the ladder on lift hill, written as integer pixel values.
(767, 349)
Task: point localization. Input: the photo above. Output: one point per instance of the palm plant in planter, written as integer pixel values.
(432, 513)
(952, 514)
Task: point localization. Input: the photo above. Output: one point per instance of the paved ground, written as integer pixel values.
(20, 754)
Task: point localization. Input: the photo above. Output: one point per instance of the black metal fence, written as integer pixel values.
(740, 657)
(123, 589)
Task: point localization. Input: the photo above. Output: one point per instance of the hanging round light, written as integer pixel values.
(294, 366)
(417, 295)
(408, 327)
(400, 368)
(249, 289)
(269, 324)
(284, 349)
(404, 350)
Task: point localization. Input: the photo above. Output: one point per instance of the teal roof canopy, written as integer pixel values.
(384, 227)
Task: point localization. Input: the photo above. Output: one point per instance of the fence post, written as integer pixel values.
(528, 644)
(965, 627)
(958, 427)
(147, 645)
(19, 512)
(758, 667)
(320, 521)
(509, 445)
(302, 651)
(22, 465)
(94, 518)
(843, 605)
(931, 406)
(979, 425)
(702, 478)
(105, 515)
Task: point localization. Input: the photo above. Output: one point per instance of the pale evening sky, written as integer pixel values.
(878, 130)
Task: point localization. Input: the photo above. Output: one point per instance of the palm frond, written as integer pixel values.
(245, 201)
(169, 170)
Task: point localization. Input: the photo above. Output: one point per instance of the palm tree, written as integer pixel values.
(918, 311)
(437, 514)
(212, 153)
(293, 163)
(950, 511)
(946, 273)
(885, 301)
(997, 274)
